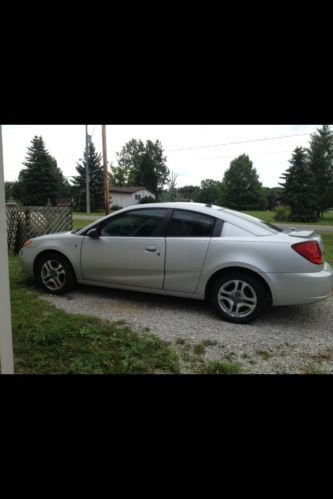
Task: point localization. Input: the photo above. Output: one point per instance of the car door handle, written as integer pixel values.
(150, 248)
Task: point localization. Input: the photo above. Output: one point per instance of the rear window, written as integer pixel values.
(190, 224)
(272, 226)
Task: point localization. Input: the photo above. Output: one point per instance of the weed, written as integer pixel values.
(219, 367)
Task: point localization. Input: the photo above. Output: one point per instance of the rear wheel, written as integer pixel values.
(55, 274)
(238, 297)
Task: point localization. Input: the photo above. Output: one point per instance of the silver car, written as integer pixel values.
(237, 262)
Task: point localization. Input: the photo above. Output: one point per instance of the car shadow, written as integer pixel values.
(275, 317)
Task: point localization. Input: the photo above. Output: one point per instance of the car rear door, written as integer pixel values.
(187, 241)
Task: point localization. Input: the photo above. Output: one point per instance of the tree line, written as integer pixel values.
(306, 187)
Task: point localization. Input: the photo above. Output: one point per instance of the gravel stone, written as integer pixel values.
(284, 340)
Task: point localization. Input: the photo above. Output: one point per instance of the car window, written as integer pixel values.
(189, 224)
(137, 223)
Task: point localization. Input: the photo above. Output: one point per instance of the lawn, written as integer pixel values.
(79, 224)
(268, 216)
(328, 246)
(49, 341)
(92, 214)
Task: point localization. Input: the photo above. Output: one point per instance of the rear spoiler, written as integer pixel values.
(301, 233)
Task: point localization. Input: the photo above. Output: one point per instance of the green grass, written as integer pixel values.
(47, 340)
(328, 247)
(79, 223)
(264, 354)
(92, 214)
(219, 367)
(268, 216)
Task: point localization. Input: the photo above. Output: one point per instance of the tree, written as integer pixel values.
(8, 191)
(191, 192)
(41, 180)
(320, 155)
(272, 197)
(299, 188)
(172, 193)
(142, 165)
(96, 181)
(210, 191)
(241, 189)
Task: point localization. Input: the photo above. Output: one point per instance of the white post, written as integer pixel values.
(6, 342)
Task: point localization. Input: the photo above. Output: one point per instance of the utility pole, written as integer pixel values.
(105, 173)
(87, 173)
(6, 342)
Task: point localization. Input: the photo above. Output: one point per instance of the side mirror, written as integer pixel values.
(94, 233)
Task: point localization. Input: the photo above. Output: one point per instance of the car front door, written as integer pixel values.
(130, 250)
(187, 241)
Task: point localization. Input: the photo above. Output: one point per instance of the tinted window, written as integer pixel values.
(190, 224)
(139, 223)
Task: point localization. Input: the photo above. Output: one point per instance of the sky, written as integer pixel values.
(194, 152)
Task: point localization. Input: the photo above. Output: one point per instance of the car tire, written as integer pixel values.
(55, 274)
(238, 297)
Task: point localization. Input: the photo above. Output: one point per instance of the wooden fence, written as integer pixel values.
(26, 222)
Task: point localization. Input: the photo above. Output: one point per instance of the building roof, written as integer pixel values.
(126, 190)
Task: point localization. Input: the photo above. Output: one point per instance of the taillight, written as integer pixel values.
(27, 244)
(309, 250)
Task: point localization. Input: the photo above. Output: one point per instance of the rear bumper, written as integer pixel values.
(293, 289)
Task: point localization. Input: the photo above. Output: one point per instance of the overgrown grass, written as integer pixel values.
(47, 340)
(268, 216)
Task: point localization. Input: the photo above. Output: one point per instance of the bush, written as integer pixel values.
(115, 207)
(282, 213)
(147, 199)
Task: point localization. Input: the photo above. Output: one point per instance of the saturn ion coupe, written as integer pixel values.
(238, 263)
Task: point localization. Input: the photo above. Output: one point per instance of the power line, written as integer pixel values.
(239, 142)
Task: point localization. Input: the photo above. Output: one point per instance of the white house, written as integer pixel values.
(127, 196)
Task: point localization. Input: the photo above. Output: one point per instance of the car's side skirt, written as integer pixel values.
(195, 296)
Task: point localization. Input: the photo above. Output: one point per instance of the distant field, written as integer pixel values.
(268, 216)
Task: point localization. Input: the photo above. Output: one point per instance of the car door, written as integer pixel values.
(187, 241)
(130, 250)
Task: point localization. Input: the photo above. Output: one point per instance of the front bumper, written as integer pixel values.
(26, 260)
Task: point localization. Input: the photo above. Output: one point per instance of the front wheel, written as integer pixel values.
(55, 274)
(238, 297)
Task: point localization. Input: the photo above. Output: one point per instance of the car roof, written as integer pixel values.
(247, 222)
(251, 224)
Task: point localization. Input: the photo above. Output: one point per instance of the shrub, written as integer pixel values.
(115, 207)
(147, 199)
(282, 213)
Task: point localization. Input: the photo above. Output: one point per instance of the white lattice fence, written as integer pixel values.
(33, 221)
(12, 216)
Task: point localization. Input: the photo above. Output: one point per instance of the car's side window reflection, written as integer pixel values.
(189, 224)
(137, 223)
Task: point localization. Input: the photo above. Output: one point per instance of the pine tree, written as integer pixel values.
(38, 182)
(321, 163)
(299, 188)
(96, 181)
(241, 189)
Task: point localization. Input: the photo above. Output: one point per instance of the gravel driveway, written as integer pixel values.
(293, 339)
